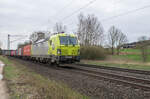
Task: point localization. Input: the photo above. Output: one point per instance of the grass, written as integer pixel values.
(25, 84)
(134, 57)
(131, 50)
(133, 54)
(128, 66)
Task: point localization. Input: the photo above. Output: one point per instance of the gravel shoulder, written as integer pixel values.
(3, 89)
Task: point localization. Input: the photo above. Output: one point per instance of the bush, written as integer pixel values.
(92, 52)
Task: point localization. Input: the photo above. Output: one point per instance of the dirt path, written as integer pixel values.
(3, 89)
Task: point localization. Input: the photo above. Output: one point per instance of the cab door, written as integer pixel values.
(50, 47)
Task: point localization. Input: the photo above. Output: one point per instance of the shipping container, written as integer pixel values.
(16, 53)
(11, 53)
(27, 50)
(6, 52)
(20, 51)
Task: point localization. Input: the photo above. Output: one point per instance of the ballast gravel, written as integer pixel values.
(94, 88)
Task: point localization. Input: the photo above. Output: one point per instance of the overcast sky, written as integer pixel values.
(25, 16)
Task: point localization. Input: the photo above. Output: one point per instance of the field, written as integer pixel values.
(128, 58)
(132, 50)
(22, 84)
(133, 54)
(137, 66)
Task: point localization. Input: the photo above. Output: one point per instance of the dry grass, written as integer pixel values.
(113, 61)
(25, 84)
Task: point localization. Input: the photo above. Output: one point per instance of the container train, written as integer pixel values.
(58, 48)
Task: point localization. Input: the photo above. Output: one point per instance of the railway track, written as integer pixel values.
(134, 82)
(116, 69)
(93, 80)
(137, 83)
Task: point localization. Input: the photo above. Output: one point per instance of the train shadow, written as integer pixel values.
(54, 66)
(67, 67)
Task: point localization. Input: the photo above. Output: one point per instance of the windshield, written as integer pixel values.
(67, 40)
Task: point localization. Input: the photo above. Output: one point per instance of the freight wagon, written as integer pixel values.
(27, 52)
(13, 53)
(20, 52)
(6, 52)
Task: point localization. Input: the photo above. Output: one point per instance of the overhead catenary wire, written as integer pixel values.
(125, 13)
(62, 9)
(70, 15)
(81, 8)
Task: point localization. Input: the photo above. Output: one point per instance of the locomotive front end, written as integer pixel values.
(69, 50)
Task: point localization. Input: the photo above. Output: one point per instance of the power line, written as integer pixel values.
(61, 10)
(9, 42)
(83, 8)
(70, 15)
(125, 13)
(90, 2)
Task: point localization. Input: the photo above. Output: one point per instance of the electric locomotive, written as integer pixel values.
(59, 48)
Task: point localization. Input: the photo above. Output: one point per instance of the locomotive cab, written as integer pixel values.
(64, 48)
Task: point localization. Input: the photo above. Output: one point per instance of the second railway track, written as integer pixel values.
(116, 69)
(137, 83)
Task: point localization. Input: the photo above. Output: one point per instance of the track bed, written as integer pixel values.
(86, 84)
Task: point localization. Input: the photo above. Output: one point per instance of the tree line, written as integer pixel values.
(90, 32)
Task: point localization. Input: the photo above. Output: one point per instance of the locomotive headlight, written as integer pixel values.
(58, 51)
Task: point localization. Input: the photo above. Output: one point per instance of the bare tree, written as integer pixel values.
(121, 39)
(112, 37)
(116, 39)
(143, 46)
(81, 28)
(59, 27)
(20, 45)
(90, 30)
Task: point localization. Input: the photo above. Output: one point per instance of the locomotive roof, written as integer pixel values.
(54, 35)
(62, 34)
